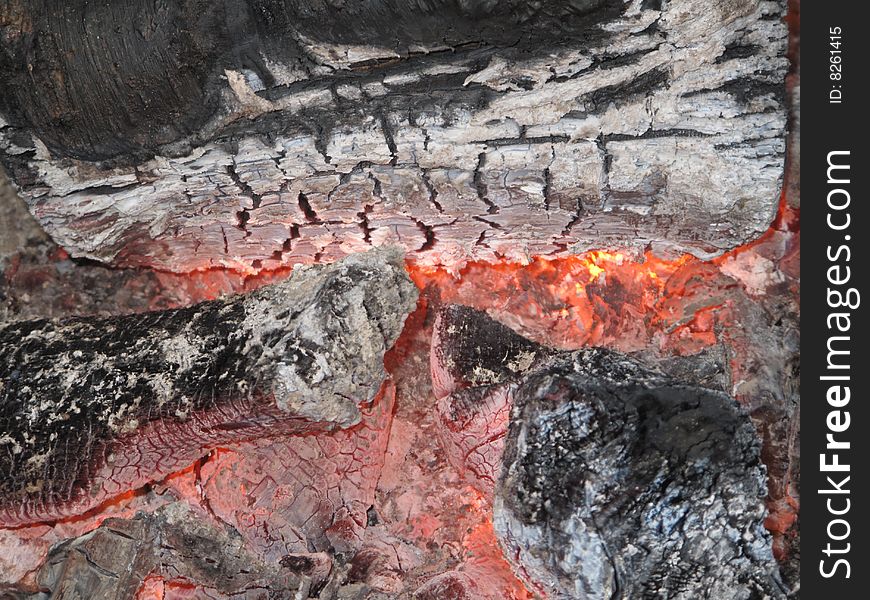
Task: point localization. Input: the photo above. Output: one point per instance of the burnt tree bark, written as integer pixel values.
(93, 407)
(185, 134)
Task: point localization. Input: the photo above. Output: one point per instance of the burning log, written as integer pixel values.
(91, 408)
(470, 350)
(611, 479)
(258, 134)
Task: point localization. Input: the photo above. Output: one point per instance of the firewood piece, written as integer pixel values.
(618, 482)
(611, 479)
(470, 349)
(255, 134)
(91, 408)
(174, 543)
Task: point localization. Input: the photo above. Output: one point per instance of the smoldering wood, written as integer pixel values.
(181, 552)
(609, 479)
(257, 134)
(474, 362)
(93, 407)
(180, 544)
(620, 483)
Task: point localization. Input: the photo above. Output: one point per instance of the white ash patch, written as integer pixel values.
(754, 271)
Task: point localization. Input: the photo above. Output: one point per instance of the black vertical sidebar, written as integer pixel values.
(835, 258)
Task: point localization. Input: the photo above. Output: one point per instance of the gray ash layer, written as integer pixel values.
(90, 408)
(616, 481)
(619, 482)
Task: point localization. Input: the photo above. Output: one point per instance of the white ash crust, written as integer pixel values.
(669, 135)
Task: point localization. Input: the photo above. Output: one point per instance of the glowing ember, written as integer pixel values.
(598, 298)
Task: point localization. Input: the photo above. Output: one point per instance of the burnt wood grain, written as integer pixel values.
(93, 407)
(182, 134)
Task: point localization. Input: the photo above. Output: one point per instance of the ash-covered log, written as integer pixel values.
(91, 408)
(259, 133)
(620, 483)
(611, 479)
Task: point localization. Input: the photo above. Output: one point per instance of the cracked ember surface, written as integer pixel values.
(302, 492)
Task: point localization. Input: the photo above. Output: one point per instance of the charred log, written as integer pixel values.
(175, 547)
(255, 134)
(470, 350)
(611, 479)
(91, 408)
(620, 483)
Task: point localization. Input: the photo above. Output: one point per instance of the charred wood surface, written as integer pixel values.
(180, 544)
(611, 479)
(183, 134)
(619, 483)
(93, 407)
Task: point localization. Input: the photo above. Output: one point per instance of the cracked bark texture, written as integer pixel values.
(93, 407)
(114, 562)
(611, 480)
(270, 132)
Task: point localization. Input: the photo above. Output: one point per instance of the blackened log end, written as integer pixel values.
(121, 79)
(619, 482)
(471, 349)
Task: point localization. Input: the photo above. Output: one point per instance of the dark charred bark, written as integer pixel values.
(184, 133)
(91, 408)
(611, 479)
(471, 351)
(130, 77)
